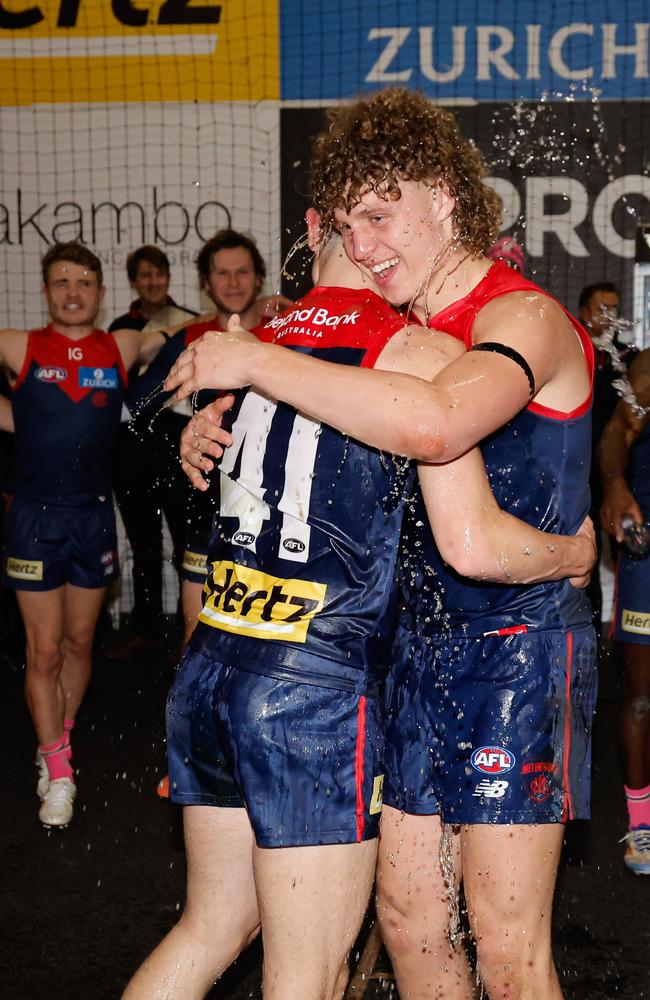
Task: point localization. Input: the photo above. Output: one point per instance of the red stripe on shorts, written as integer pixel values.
(358, 767)
(567, 805)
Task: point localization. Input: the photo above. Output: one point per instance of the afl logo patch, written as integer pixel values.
(52, 374)
(293, 545)
(492, 760)
(243, 538)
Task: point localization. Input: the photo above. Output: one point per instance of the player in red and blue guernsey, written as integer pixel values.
(60, 551)
(275, 708)
(407, 193)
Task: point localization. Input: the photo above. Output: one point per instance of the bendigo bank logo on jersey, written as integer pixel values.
(246, 602)
(98, 378)
(51, 374)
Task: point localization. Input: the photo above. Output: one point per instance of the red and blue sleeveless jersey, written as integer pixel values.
(303, 556)
(67, 401)
(538, 467)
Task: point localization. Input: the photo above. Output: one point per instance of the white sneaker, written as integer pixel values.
(637, 852)
(58, 804)
(43, 776)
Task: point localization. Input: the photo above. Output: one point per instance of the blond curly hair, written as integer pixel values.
(400, 135)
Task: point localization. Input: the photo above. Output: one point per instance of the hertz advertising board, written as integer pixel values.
(153, 50)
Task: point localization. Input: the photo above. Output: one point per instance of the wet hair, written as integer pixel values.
(152, 255)
(72, 253)
(597, 286)
(400, 135)
(228, 239)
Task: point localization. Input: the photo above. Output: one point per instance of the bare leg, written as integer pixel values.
(80, 613)
(43, 614)
(509, 875)
(220, 916)
(416, 901)
(635, 715)
(312, 901)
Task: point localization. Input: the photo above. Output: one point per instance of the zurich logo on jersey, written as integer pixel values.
(492, 760)
(51, 373)
(98, 378)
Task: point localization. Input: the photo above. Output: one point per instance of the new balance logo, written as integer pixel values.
(491, 789)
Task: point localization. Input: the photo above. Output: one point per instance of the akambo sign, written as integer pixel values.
(496, 50)
(157, 50)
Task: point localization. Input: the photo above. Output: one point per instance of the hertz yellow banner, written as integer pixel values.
(54, 51)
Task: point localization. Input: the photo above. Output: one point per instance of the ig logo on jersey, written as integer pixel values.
(492, 760)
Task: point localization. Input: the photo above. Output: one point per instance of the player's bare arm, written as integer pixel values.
(6, 416)
(614, 451)
(475, 536)
(431, 421)
(13, 349)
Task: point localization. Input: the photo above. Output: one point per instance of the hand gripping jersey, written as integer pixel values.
(538, 466)
(67, 401)
(304, 555)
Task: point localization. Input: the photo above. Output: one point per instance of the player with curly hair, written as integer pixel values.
(492, 688)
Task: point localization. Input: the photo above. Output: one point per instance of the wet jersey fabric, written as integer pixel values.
(632, 594)
(538, 467)
(67, 401)
(303, 559)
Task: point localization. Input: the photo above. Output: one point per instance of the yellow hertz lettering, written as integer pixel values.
(635, 621)
(24, 569)
(247, 602)
(194, 562)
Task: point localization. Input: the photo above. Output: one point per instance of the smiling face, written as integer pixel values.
(151, 285)
(73, 295)
(398, 243)
(233, 283)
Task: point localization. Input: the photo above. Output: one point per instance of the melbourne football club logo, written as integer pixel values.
(51, 373)
(538, 779)
(492, 760)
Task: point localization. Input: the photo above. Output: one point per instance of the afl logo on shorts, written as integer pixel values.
(52, 374)
(293, 545)
(492, 760)
(243, 538)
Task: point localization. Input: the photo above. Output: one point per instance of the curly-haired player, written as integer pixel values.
(492, 688)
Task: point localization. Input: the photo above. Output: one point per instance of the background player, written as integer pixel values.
(231, 273)
(419, 233)
(625, 469)
(60, 546)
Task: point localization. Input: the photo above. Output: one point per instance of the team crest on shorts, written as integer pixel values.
(537, 779)
(492, 760)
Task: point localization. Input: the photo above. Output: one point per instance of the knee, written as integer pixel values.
(79, 642)
(508, 961)
(43, 657)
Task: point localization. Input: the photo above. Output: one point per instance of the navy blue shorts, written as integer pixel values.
(48, 546)
(303, 760)
(491, 730)
(632, 600)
